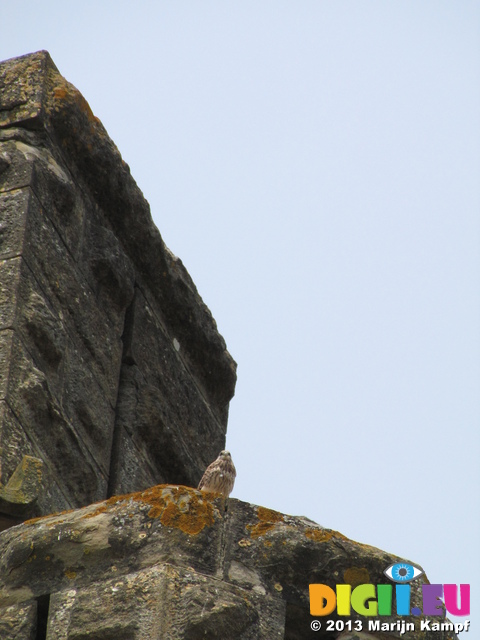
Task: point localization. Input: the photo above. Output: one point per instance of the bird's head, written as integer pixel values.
(224, 454)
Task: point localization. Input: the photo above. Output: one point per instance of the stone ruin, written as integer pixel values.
(114, 394)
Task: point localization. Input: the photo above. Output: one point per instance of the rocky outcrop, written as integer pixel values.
(112, 373)
(173, 562)
(113, 378)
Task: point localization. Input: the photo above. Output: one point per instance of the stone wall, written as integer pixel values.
(112, 372)
(113, 378)
(173, 563)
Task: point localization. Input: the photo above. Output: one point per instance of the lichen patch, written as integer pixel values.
(267, 519)
(356, 576)
(323, 535)
(176, 506)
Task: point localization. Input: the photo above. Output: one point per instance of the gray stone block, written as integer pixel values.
(160, 406)
(6, 340)
(42, 417)
(18, 622)
(14, 444)
(73, 300)
(17, 169)
(9, 279)
(41, 330)
(13, 207)
(87, 408)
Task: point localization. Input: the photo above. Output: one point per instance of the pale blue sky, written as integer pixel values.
(316, 166)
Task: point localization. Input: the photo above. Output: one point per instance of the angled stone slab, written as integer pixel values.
(19, 495)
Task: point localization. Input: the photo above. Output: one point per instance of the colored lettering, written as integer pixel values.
(363, 600)
(432, 605)
(322, 599)
(450, 595)
(384, 596)
(402, 593)
(343, 599)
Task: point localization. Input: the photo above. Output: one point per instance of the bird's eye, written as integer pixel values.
(402, 572)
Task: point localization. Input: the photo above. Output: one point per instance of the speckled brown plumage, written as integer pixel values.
(219, 477)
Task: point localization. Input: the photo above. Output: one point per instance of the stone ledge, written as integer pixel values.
(198, 550)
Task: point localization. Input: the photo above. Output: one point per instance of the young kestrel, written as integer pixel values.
(219, 476)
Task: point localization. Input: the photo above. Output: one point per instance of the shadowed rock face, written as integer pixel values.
(113, 378)
(174, 562)
(112, 372)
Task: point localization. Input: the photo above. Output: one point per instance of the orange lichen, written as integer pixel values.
(50, 515)
(64, 92)
(180, 507)
(198, 516)
(34, 520)
(323, 535)
(100, 509)
(60, 93)
(177, 506)
(356, 576)
(267, 520)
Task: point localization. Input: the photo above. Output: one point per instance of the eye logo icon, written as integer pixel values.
(402, 572)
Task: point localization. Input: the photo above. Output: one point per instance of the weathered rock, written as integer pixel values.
(173, 562)
(113, 377)
(112, 371)
(23, 487)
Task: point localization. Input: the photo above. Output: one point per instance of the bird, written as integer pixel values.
(219, 476)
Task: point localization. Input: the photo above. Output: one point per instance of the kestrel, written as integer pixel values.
(219, 477)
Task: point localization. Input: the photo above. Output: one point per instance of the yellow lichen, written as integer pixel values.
(60, 93)
(50, 515)
(70, 574)
(64, 92)
(323, 535)
(199, 515)
(356, 576)
(180, 507)
(103, 506)
(267, 520)
(177, 506)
